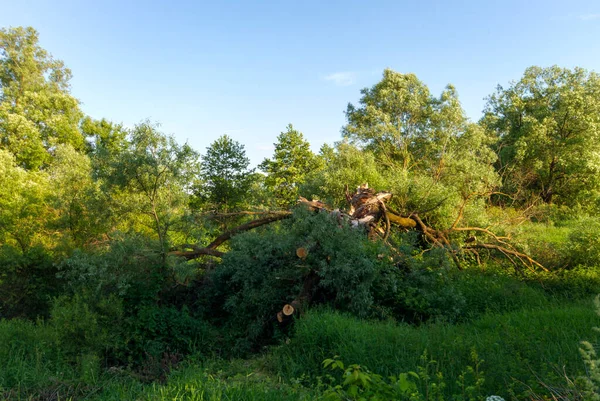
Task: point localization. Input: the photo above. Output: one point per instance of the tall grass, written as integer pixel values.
(31, 362)
(194, 383)
(34, 367)
(519, 349)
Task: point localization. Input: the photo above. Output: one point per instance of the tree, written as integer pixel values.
(291, 162)
(548, 130)
(37, 112)
(410, 130)
(344, 165)
(225, 176)
(394, 116)
(74, 193)
(104, 135)
(155, 174)
(23, 209)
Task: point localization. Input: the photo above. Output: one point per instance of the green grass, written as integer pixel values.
(545, 242)
(194, 383)
(29, 356)
(518, 348)
(34, 368)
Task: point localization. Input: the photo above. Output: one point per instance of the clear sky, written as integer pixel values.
(248, 68)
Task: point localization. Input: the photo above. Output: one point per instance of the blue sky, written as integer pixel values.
(248, 68)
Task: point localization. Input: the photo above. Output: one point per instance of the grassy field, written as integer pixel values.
(519, 352)
(518, 349)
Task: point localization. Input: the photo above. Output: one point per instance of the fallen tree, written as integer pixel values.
(368, 209)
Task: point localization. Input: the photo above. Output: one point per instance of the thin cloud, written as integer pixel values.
(342, 78)
(589, 17)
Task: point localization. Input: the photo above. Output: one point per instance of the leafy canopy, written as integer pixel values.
(548, 130)
(291, 163)
(37, 111)
(154, 174)
(225, 176)
(408, 129)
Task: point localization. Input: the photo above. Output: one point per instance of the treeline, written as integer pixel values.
(69, 180)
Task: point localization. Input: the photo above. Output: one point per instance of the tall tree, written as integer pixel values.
(225, 176)
(548, 129)
(104, 135)
(291, 162)
(409, 129)
(154, 174)
(37, 112)
(74, 194)
(393, 117)
(23, 204)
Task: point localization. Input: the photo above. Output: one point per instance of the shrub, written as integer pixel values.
(124, 306)
(581, 282)
(422, 290)
(155, 330)
(86, 327)
(27, 282)
(583, 247)
(553, 214)
(546, 243)
(429, 287)
(129, 267)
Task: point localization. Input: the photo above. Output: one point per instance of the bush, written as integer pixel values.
(421, 290)
(429, 287)
(27, 282)
(86, 327)
(581, 282)
(553, 214)
(567, 244)
(415, 193)
(546, 243)
(124, 306)
(130, 267)
(583, 247)
(154, 331)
